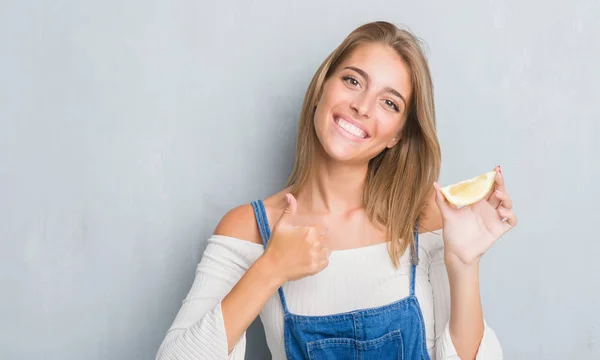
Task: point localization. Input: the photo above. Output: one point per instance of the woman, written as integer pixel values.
(354, 263)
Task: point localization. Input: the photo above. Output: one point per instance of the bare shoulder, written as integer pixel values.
(431, 218)
(240, 222)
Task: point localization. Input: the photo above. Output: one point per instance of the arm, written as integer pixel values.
(468, 232)
(245, 300)
(228, 292)
(466, 316)
(243, 303)
(293, 252)
(198, 331)
(449, 308)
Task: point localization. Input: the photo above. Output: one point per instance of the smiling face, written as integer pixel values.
(363, 104)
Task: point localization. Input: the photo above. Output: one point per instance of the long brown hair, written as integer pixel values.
(400, 178)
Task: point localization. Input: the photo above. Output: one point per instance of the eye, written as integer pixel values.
(351, 80)
(392, 105)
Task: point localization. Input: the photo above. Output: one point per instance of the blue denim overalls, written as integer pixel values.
(395, 331)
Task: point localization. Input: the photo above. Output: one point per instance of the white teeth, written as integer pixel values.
(351, 128)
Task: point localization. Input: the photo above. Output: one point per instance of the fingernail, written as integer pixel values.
(500, 169)
(287, 198)
(498, 192)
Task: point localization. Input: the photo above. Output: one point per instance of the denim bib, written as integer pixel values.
(391, 332)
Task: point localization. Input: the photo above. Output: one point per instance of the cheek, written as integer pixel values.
(389, 126)
(319, 116)
(320, 122)
(329, 98)
(334, 94)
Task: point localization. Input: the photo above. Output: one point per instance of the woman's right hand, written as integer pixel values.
(296, 251)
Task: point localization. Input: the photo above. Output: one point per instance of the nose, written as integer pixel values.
(361, 104)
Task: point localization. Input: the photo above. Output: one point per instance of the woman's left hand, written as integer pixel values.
(471, 230)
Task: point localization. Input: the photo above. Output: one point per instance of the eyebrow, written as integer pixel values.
(387, 88)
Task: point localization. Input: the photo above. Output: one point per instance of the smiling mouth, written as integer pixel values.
(350, 129)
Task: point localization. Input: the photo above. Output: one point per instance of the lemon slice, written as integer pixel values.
(469, 191)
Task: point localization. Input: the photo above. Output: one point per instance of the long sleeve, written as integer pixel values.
(489, 348)
(198, 331)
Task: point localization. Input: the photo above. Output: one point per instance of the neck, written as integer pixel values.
(334, 188)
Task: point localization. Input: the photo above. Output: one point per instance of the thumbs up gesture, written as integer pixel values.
(297, 251)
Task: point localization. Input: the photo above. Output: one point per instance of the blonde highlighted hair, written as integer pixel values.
(400, 178)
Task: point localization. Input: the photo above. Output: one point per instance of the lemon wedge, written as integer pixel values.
(469, 191)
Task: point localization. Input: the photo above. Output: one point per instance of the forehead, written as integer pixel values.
(383, 65)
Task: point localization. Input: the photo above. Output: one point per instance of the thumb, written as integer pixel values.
(290, 207)
(440, 200)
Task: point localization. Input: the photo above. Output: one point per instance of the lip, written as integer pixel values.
(358, 124)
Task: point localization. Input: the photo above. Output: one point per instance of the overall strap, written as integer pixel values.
(262, 221)
(414, 261)
(265, 235)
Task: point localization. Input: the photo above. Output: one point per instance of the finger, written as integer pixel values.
(312, 236)
(509, 218)
(316, 244)
(323, 263)
(441, 201)
(316, 234)
(321, 231)
(326, 252)
(498, 185)
(501, 198)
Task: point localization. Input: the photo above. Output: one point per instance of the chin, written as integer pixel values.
(339, 151)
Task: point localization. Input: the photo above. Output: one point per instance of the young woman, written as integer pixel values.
(349, 261)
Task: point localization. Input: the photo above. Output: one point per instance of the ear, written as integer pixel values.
(393, 142)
